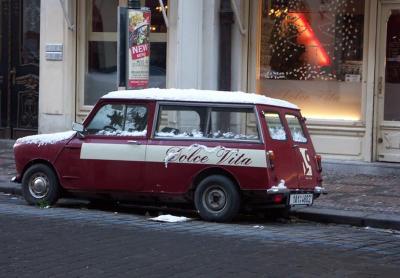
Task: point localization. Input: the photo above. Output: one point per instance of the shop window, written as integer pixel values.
(99, 54)
(311, 53)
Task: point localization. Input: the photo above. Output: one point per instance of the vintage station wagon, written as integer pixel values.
(220, 151)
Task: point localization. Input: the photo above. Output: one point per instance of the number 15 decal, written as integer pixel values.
(307, 169)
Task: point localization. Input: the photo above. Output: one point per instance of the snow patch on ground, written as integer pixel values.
(170, 218)
(45, 139)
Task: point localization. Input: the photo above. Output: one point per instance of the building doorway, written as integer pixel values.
(388, 84)
(19, 67)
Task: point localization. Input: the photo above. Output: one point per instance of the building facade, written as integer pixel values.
(339, 61)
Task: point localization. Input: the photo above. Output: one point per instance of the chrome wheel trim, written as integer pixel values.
(39, 185)
(214, 198)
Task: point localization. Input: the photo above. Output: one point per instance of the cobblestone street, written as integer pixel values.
(73, 241)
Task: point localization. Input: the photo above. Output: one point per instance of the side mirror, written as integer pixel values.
(78, 127)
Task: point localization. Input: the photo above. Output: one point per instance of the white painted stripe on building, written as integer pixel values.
(175, 154)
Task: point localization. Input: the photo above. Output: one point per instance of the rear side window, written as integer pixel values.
(181, 121)
(275, 126)
(207, 122)
(119, 120)
(232, 123)
(296, 129)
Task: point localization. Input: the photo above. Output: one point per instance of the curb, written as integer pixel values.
(10, 188)
(315, 214)
(354, 218)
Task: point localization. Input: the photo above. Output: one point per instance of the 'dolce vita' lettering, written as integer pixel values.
(197, 155)
(182, 155)
(233, 157)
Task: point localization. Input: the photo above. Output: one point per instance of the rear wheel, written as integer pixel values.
(217, 199)
(40, 185)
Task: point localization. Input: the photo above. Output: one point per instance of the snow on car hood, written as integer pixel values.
(45, 139)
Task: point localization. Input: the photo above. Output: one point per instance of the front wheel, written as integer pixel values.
(217, 199)
(40, 185)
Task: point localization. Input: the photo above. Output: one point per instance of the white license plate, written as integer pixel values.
(301, 199)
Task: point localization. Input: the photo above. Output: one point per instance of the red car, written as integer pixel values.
(217, 150)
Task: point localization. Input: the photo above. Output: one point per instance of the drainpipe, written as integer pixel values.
(225, 45)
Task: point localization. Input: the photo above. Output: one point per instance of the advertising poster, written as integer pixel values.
(138, 49)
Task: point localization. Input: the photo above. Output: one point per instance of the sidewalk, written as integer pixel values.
(361, 194)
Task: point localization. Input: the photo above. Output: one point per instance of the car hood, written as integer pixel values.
(46, 139)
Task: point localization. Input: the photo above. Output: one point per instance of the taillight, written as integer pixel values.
(278, 198)
(270, 159)
(319, 162)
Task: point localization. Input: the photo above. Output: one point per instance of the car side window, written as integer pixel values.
(275, 126)
(296, 129)
(181, 121)
(233, 124)
(119, 120)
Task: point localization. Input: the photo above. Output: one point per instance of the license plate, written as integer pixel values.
(301, 199)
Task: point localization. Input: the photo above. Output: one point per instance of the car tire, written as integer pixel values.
(40, 185)
(217, 199)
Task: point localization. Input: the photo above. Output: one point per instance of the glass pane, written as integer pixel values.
(31, 32)
(101, 73)
(158, 65)
(179, 121)
(311, 54)
(109, 120)
(101, 76)
(136, 120)
(295, 129)
(157, 19)
(275, 127)
(392, 74)
(104, 15)
(239, 124)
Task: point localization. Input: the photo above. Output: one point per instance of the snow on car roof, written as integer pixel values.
(194, 95)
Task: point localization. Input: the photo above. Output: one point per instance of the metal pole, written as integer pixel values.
(134, 4)
(225, 45)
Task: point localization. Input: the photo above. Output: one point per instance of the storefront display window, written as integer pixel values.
(311, 53)
(100, 71)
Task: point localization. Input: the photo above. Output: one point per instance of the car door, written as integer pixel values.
(286, 166)
(111, 154)
(303, 151)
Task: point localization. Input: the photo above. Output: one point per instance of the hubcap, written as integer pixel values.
(39, 185)
(214, 198)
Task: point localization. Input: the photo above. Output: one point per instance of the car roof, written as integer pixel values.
(193, 95)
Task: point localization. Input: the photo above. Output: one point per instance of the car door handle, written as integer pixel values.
(134, 142)
(295, 146)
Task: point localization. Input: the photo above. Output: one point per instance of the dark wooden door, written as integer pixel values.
(19, 72)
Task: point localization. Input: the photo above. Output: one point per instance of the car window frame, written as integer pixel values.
(208, 105)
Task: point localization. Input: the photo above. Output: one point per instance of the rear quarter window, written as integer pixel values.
(233, 123)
